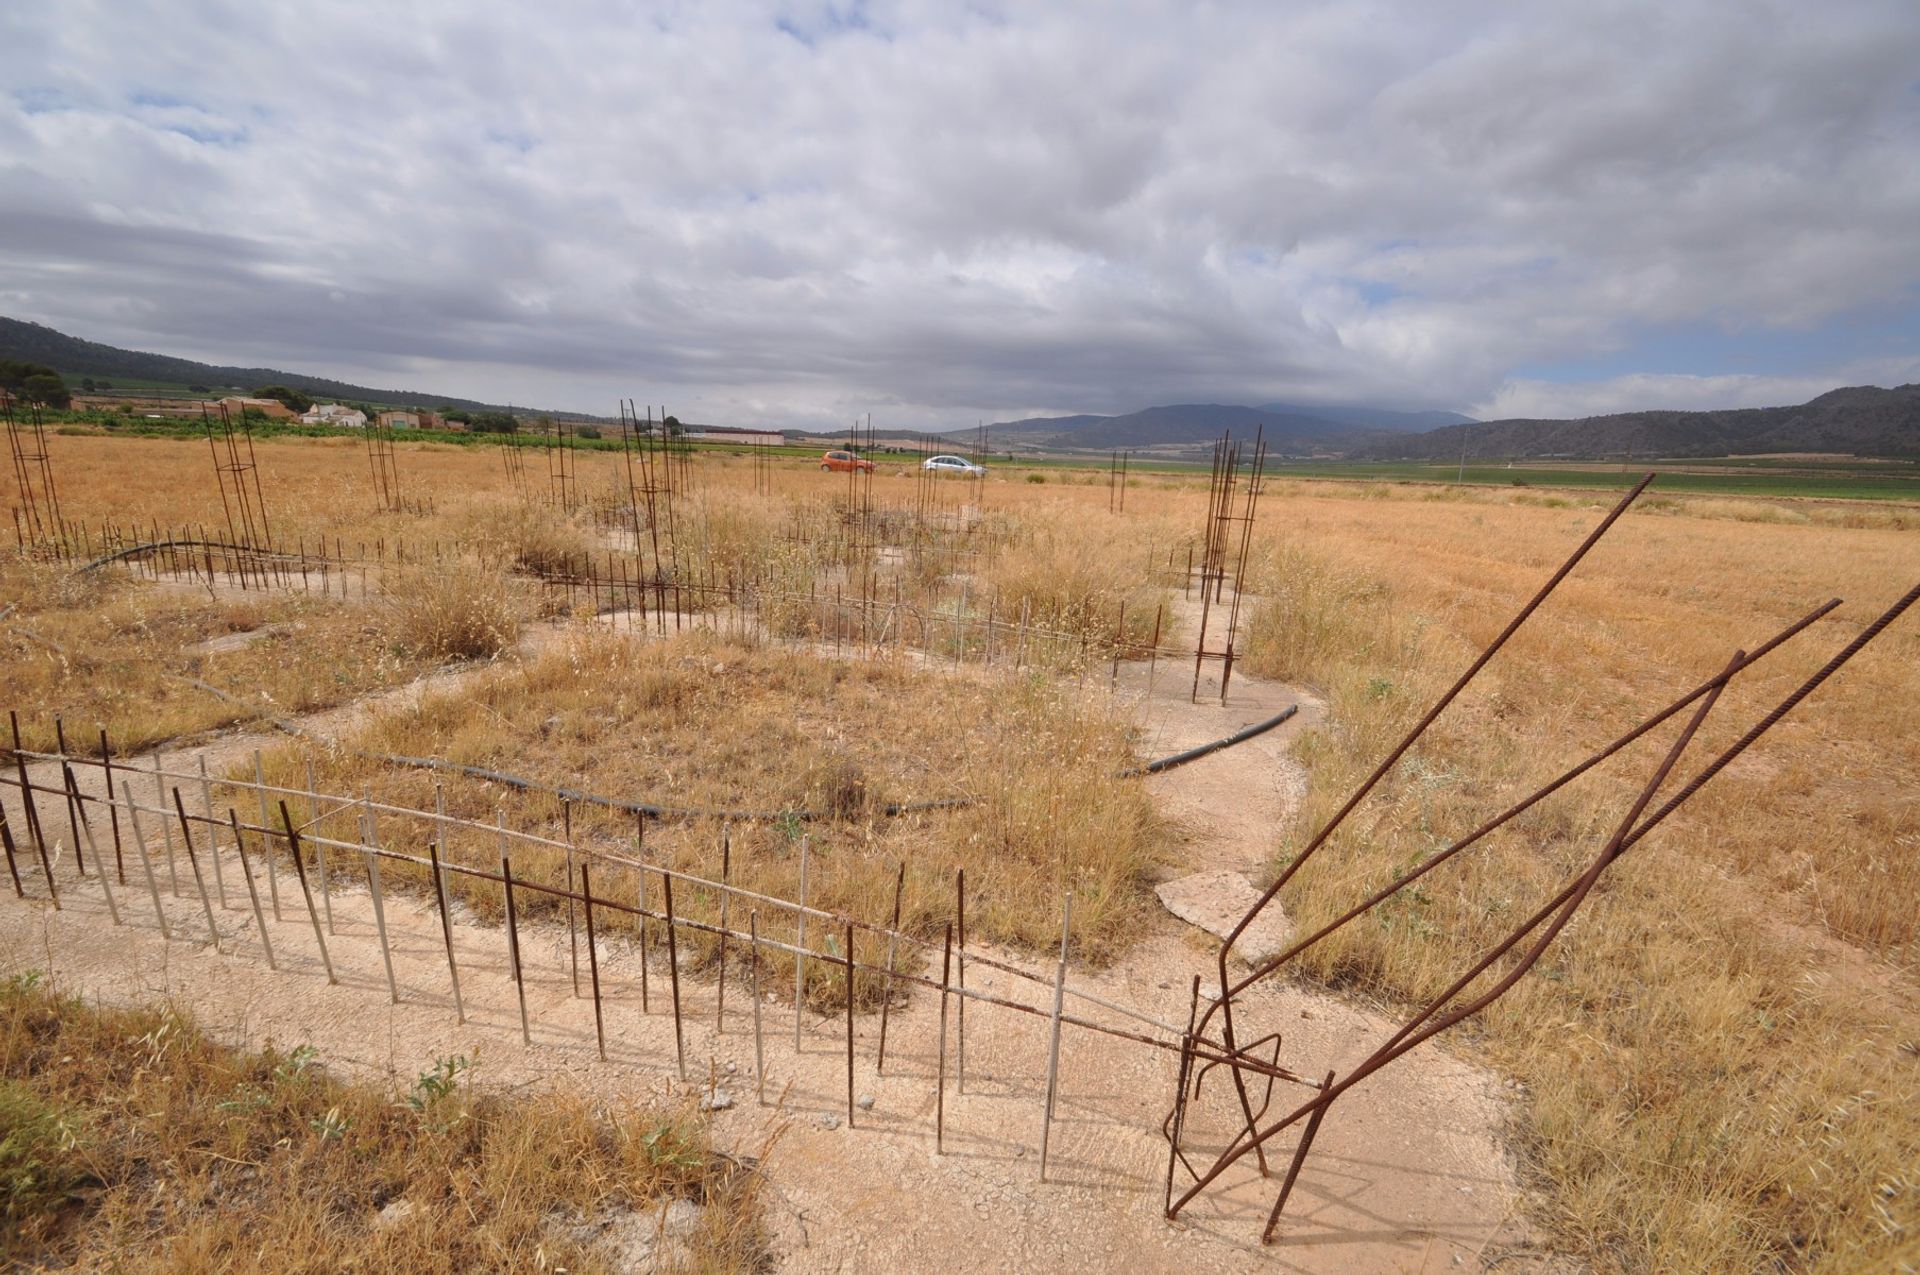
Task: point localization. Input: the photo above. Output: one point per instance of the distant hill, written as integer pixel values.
(74, 359)
(1862, 421)
(1373, 417)
(1290, 429)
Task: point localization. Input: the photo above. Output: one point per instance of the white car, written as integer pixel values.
(953, 465)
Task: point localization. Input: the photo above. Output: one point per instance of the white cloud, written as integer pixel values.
(1522, 398)
(954, 211)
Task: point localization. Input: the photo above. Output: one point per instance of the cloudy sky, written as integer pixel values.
(937, 212)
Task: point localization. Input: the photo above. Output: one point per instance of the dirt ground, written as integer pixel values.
(1408, 1174)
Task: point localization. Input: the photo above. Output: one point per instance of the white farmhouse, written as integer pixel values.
(336, 415)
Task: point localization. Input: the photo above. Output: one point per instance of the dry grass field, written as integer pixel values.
(1720, 1059)
(1720, 1053)
(185, 1155)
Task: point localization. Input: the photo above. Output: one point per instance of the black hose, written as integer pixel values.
(892, 809)
(1195, 754)
(131, 550)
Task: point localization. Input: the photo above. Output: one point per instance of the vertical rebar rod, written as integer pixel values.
(306, 893)
(573, 923)
(193, 861)
(86, 826)
(146, 861)
(673, 975)
(593, 961)
(113, 811)
(893, 944)
(253, 895)
(166, 828)
(940, 1089)
(13, 866)
(513, 949)
(213, 842)
(726, 894)
(446, 931)
(1053, 1048)
(960, 970)
(849, 964)
(69, 796)
(380, 912)
(266, 838)
(640, 900)
(759, 1051)
(800, 955)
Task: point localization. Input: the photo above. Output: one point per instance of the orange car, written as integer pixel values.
(845, 462)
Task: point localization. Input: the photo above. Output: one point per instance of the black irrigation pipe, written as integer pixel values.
(130, 551)
(890, 810)
(1195, 754)
(644, 807)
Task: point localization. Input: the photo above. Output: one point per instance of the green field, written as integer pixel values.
(1830, 480)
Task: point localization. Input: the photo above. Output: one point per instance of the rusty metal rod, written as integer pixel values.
(513, 949)
(446, 930)
(593, 961)
(199, 881)
(673, 974)
(893, 943)
(1562, 913)
(1540, 794)
(146, 862)
(300, 867)
(253, 895)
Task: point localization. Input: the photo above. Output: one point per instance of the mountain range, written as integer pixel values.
(75, 359)
(1862, 420)
(1290, 429)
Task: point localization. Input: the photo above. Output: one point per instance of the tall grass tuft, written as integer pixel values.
(460, 608)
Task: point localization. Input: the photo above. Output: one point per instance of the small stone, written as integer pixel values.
(1216, 902)
(827, 1120)
(680, 1219)
(395, 1213)
(865, 1102)
(718, 1100)
(732, 1067)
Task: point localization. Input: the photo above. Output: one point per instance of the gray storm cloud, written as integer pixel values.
(799, 212)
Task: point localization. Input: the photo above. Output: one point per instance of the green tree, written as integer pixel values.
(293, 398)
(47, 389)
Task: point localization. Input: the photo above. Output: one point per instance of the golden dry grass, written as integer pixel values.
(1712, 1057)
(702, 723)
(129, 1141)
(1712, 1083)
(106, 650)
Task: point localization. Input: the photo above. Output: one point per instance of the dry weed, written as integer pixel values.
(456, 609)
(133, 1142)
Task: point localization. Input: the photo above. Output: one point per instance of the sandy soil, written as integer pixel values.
(1408, 1173)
